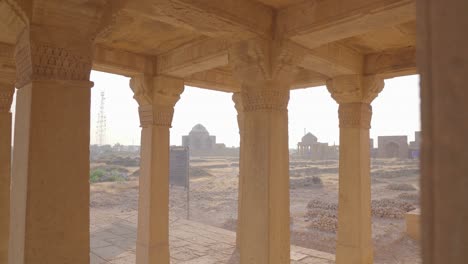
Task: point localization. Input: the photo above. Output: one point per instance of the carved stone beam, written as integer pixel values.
(315, 23)
(392, 63)
(229, 19)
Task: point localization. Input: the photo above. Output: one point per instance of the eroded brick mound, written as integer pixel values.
(324, 223)
(414, 197)
(401, 187)
(322, 215)
(391, 208)
(313, 204)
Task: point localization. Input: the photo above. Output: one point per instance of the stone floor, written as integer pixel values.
(191, 243)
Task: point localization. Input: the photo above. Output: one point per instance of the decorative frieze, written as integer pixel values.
(37, 60)
(265, 100)
(156, 115)
(355, 115)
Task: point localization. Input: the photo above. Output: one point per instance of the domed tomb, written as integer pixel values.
(199, 141)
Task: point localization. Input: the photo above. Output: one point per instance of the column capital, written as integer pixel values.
(156, 97)
(265, 70)
(355, 115)
(6, 98)
(265, 100)
(56, 58)
(355, 88)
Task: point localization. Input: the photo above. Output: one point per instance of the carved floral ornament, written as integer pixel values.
(355, 115)
(157, 97)
(355, 88)
(259, 60)
(36, 60)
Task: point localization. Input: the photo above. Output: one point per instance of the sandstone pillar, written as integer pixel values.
(442, 42)
(6, 96)
(354, 95)
(157, 97)
(50, 173)
(264, 71)
(237, 98)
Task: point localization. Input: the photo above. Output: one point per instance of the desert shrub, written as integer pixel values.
(115, 177)
(317, 180)
(96, 175)
(104, 174)
(401, 187)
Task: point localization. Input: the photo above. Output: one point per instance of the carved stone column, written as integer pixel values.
(354, 94)
(265, 72)
(50, 173)
(442, 60)
(6, 96)
(237, 98)
(157, 97)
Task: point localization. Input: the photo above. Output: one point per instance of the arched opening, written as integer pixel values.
(391, 150)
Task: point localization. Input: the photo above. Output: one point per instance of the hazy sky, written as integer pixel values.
(396, 112)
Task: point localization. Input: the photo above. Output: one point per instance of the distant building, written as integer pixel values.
(414, 147)
(199, 140)
(201, 143)
(310, 148)
(393, 147)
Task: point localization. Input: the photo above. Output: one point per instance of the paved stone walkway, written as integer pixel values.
(190, 242)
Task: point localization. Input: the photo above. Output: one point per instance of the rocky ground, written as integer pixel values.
(313, 192)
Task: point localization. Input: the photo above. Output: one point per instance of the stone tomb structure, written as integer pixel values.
(201, 143)
(393, 147)
(256, 49)
(310, 148)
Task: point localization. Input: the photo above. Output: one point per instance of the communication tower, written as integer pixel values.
(101, 122)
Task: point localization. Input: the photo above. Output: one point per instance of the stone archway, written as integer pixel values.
(391, 150)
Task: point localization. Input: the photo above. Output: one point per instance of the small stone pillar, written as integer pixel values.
(157, 97)
(6, 96)
(50, 172)
(354, 93)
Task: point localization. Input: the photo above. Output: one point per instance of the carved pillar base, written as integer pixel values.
(157, 98)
